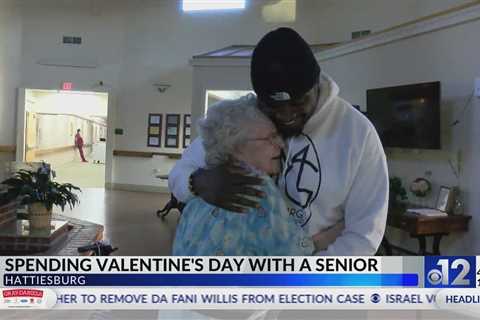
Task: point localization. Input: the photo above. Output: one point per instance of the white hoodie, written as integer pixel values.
(336, 170)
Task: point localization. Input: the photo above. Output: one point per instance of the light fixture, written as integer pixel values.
(161, 87)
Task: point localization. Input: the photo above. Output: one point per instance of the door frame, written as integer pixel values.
(21, 125)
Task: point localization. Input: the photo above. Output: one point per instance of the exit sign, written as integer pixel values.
(67, 86)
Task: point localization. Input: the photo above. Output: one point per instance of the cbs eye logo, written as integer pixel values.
(450, 272)
(375, 298)
(435, 277)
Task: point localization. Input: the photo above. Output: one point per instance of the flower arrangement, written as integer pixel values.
(420, 187)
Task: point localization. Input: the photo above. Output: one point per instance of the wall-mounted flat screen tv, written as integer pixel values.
(406, 116)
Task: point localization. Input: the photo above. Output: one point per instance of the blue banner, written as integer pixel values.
(213, 280)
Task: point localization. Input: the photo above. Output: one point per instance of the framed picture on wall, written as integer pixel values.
(153, 141)
(186, 130)
(172, 130)
(155, 119)
(154, 130)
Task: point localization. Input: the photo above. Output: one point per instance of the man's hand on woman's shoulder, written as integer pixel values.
(227, 186)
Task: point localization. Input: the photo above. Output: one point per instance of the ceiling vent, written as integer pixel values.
(72, 40)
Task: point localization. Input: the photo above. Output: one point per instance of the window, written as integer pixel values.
(281, 11)
(213, 96)
(203, 5)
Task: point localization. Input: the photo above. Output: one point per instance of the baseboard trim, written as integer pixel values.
(136, 188)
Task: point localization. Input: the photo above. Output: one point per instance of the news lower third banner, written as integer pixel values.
(282, 283)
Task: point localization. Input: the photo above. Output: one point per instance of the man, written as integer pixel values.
(334, 166)
(79, 145)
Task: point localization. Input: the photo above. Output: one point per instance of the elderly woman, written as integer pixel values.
(235, 130)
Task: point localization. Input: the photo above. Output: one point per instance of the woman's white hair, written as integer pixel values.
(226, 127)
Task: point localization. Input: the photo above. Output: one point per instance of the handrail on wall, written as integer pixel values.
(118, 153)
(58, 149)
(144, 154)
(8, 149)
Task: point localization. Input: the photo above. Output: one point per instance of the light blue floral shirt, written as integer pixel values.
(206, 230)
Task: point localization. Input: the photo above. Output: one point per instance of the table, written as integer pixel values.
(420, 227)
(63, 240)
(81, 233)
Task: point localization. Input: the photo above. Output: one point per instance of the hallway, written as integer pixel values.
(83, 175)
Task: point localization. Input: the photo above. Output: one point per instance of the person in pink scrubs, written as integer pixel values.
(79, 145)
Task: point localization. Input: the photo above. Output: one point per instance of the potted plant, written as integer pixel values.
(397, 191)
(37, 190)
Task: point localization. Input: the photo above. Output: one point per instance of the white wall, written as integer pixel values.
(135, 44)
(10, 57)
(101, 25)
(81, 104)
(336, 19)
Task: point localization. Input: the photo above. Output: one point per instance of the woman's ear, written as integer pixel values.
(231, 159)
(238, 154)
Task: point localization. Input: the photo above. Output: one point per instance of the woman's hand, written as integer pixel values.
(325, 238)
(226, 186)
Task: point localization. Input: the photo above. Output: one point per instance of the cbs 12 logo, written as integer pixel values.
(450, 272)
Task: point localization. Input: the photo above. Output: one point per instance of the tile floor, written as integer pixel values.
(129, 219)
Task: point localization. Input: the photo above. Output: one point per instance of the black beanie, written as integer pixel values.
(283, 66)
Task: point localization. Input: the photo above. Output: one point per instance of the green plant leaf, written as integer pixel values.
(37, 186)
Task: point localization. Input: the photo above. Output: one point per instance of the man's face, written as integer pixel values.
(290, 117)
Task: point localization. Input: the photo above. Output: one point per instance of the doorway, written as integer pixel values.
(68, 130)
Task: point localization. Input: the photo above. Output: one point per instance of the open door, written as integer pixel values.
(47, 121)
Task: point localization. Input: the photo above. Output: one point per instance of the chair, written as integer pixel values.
(173, 203)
